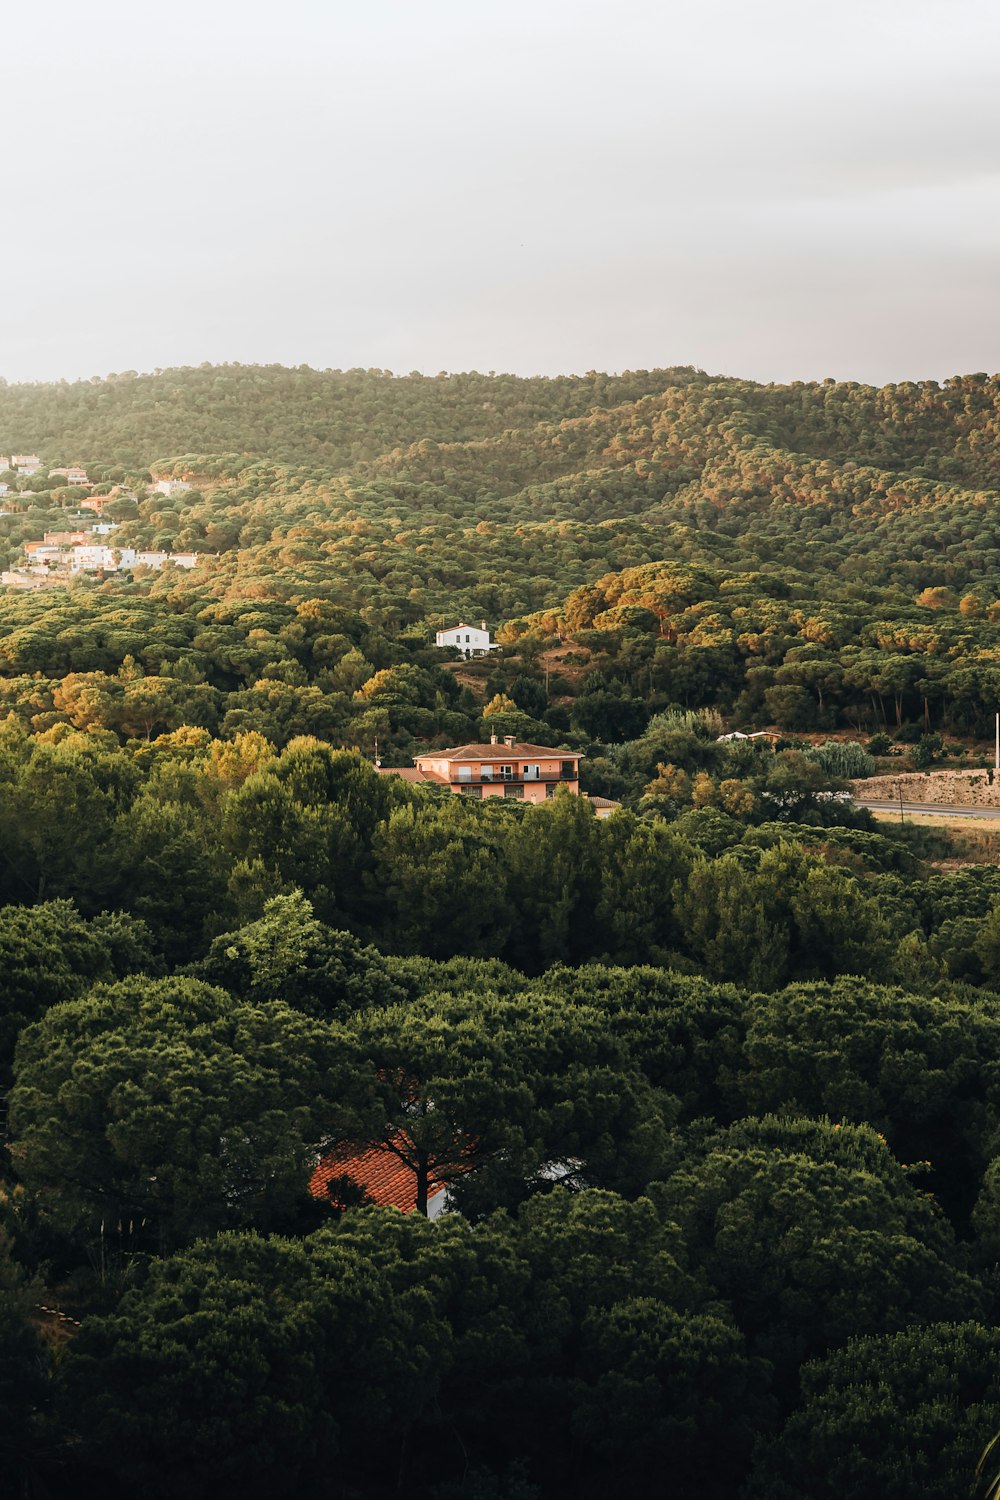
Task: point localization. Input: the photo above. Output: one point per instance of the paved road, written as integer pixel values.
(941, 809)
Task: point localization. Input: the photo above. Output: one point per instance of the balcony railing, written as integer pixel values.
(545, 776)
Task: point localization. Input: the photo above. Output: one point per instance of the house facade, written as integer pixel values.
(25, 464)
(95, 555)
(503, 768)
(470, 640)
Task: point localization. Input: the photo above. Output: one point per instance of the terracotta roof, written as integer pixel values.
(497, 752)
(409, 773)
(384, 1178)
(602, 801)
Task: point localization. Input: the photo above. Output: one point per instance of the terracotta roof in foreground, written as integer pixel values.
(498, 752)
(384, 1178)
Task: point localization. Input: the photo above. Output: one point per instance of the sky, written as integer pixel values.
(772, 189)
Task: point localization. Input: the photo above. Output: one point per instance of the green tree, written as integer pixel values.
(152, 1112)
(640, 865)
(25, 1371)
(732, 924)
(245, 1366)
(49, 953)
(552, 856)
(441, 883)
(908, 1413)
(502, 1086)
(812, 1233)
(289, 955)
(921, 1069)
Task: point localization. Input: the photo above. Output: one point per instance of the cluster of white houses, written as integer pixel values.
(27, 465)
(63, 554)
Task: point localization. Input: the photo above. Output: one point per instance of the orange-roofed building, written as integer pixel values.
(65, 538)
(376, 1172)
(73, 475)
(507, 768)
(528, 773)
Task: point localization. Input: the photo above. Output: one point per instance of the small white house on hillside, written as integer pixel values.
(470, 640)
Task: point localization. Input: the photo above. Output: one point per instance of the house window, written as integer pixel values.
(486, 773)
(531, 773)
(568, 772)
(513, 791)
(506, 773)
(471, 791)
(550, 789)
(466, 640)
(465, 773)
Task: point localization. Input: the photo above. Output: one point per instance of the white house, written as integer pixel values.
(73, 475)
(470, 640)
(43, 554)
(157, 559)
(91, 555)
(26, 464)
(169, 486)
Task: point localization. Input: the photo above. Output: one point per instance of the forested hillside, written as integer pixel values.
(712, 1083)
(332, 417)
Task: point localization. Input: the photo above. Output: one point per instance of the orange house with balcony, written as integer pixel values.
(503, 768)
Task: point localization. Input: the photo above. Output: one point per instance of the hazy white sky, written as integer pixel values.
(770, 188)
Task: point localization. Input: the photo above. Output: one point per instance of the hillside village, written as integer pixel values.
(88, 546)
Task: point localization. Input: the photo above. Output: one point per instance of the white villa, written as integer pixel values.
(90, 556)
(470, 640)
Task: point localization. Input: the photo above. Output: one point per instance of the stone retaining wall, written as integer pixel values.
(962, 788)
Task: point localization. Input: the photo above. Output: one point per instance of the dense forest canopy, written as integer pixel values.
(334, 417)
(712, 1082)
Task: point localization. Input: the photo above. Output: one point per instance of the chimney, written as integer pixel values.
(485, 627)
(493, 739)
(508, 740)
